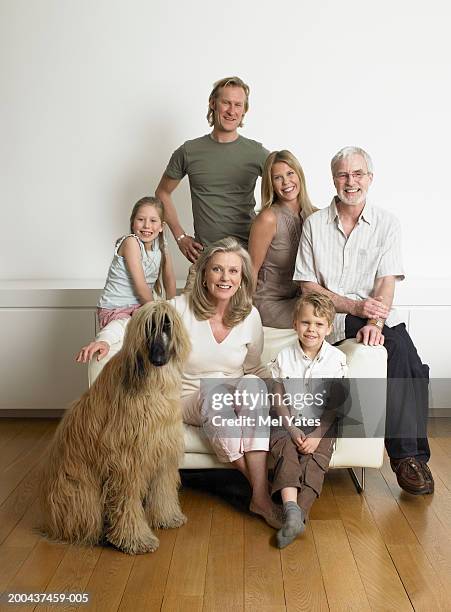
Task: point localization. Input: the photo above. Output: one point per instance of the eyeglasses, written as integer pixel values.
(357, 175)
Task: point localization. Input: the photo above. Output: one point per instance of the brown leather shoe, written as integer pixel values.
(428, 476)
(410, 476)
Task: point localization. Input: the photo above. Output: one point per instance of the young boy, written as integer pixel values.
(302, 454)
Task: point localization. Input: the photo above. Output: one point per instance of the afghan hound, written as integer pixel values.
(112, 471)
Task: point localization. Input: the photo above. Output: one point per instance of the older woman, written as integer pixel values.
(275, 235)
(227, 340)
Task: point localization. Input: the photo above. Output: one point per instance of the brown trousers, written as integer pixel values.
(304, 472)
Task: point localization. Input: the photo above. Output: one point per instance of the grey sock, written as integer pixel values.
(293, 524)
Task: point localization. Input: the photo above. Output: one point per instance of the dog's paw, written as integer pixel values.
(136, 543)
(173, 522)
(142, 546)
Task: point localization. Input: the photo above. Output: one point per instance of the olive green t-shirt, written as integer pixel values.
(222, 179)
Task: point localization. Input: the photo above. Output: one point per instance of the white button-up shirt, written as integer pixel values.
(349, 265)
(292, 362)
(298, 373)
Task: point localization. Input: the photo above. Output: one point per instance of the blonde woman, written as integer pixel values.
(275, 235)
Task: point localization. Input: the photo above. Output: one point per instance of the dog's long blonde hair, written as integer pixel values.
(123, 431)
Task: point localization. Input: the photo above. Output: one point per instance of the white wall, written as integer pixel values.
(97, 94)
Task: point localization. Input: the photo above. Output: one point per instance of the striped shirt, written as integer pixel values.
(349, 265)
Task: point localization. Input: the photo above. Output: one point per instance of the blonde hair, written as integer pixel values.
(158, 205)
(268, 195)
(240, 303)
(233, 81)
(322, 306)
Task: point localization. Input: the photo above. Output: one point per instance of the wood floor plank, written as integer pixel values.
(439, 463)
(440, 501)
(439, 426)
(9, 428)
(18, 503)
(419, 578)
(185, 584)
(13, 449)
(302, 578)
(441, 504)
(183, 603)
(13, 509)
(342, 582)
(434, 538)
(224, 580)
(444, 443)
(325, 507)
(263, 581)
(437, 505)
(107, 582)
(341, 481)
(383, 586)
(11, 559)
(18, 546)
(25, 534)
(72, 576)
(225, 560)
(145, 587)
(16, 471)
(37, 570)
(414, 567)
(389, 518)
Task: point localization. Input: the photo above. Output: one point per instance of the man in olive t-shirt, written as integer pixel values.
(222, 167)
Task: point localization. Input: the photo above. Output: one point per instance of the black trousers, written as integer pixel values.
(407, 392)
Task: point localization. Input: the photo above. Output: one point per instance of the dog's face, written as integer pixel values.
(159, 342)
(155, 337)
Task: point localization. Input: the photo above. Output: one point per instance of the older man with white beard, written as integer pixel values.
(351, 251)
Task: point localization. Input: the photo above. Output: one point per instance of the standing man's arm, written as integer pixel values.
(371, 308)
(188, 246)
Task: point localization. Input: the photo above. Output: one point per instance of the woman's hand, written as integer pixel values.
(88, 352)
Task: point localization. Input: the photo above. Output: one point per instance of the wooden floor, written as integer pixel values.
(383, 550)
